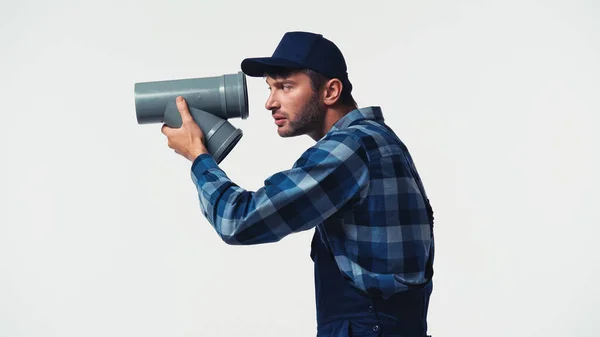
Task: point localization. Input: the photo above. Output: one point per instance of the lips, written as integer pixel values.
(279, 119)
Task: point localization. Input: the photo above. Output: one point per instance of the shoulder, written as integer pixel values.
(373, 136)
(336, 146)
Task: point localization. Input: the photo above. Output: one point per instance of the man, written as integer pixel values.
(357, 186)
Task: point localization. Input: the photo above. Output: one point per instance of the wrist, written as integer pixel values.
(197, 153)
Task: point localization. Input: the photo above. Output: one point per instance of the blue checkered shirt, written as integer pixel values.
(357, 185)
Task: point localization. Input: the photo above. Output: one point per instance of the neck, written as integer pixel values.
(332, 115)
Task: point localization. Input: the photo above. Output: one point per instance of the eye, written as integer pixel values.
(287, 87)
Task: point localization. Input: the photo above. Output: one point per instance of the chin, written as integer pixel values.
(286, 133)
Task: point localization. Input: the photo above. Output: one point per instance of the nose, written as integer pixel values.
(272, 103)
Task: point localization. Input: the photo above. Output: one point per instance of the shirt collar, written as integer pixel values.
(371, 113)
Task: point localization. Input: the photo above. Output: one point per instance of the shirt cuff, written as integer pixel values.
(203, 163)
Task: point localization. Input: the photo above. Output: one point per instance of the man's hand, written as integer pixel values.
(187, 140)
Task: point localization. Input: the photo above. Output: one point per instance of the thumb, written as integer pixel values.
(183, 110)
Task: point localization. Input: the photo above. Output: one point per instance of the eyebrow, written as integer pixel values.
(282, 81)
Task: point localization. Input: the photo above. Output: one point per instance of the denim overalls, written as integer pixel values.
(344, 311)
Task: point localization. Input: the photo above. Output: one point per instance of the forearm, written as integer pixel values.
(327, 176)
(240, 217)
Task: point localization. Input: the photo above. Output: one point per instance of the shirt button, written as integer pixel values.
(370, 308)
(375, 327)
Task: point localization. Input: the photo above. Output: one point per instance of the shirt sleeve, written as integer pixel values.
(331, 174)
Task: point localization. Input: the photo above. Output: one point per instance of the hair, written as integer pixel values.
(317, 80)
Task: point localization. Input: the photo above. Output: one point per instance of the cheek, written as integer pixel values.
(289, 105)
(292, 103)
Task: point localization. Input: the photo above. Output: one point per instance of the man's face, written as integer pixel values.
(296, 108)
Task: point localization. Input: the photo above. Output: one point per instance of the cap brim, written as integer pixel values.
(258, 66)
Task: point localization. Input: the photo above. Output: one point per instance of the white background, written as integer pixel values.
(100, 228)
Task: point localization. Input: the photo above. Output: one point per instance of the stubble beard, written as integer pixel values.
(309, 119)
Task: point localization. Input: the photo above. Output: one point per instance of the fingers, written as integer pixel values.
(165, 130)
(182, 106)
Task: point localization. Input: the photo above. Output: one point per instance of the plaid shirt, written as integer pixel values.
(357, 185)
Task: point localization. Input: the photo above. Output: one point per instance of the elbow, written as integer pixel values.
(230, 233)
(232, 240)
(248, 239)
(245, 231)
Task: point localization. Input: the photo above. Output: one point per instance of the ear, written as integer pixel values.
(332, 91)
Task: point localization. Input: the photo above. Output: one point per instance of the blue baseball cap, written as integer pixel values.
(302, 50)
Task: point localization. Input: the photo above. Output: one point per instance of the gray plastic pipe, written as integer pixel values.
(211, 100)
